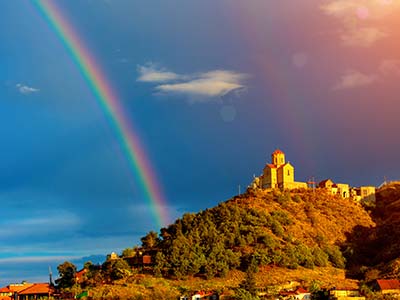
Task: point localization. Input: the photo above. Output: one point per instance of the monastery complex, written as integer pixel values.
(279, 174)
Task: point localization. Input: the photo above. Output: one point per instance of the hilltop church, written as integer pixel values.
(279, 174)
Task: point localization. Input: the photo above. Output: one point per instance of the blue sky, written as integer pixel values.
(213, 87)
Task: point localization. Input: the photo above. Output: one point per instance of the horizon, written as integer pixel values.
(181, 113)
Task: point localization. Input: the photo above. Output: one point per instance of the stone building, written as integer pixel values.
(341, 189)
(365, 194)
(279, 173)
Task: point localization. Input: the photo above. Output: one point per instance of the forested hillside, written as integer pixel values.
(286, 229)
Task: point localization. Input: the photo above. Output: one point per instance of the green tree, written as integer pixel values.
(249, 282)
(150, 241)
(94, 276)
(129, 252)
(242, 294)
(66, 271)
(115, 269)
(335, 256)
(320, 257)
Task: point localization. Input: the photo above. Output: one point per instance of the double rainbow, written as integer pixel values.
(108, 100)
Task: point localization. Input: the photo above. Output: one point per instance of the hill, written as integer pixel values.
(269, 229)
(306, 238)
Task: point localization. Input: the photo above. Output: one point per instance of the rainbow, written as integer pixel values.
(108, 100)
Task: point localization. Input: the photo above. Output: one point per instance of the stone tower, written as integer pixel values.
(278, 158)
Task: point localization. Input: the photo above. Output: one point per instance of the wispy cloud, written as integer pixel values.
(362, 37)
(38, 258)
(150, 73)
(49, 222)
(210, 84)
(354, 79)
(390, 66)
(360, 9)
(26, 90)
(199, 87)
(361, 19)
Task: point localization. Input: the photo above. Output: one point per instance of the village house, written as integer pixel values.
(80, 275)
(11, 291)
(298, 294)
(360, 194)
(341, 189)
(388, 286)
(365, 194)
(345, 294)
(36, 291)
(205, 295)
(5, 293)
(26, 291)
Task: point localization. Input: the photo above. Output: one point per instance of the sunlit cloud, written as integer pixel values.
(350, 10)
(24, 89)
(210, 84)
(362, 20)
(150, 73)
(199, 86)
(354, 79)
(362, 37)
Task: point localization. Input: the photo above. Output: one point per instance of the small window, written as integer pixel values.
(288, 172)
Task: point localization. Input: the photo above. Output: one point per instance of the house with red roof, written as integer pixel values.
(11, 291)
(298, 294)
(80, 275)
(36, 291)
(6, 293)
(388, 286)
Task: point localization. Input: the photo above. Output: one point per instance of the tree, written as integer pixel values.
(66, 271)
(150, 241)
(249, 282)
(242, 294)
(129, 252)
(115, 269)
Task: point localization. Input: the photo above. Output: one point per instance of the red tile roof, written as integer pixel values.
(37, 288)
(19, 286)
(389, 284)
(5, 290)
(300, 290)
(277, 151)
(79, 275)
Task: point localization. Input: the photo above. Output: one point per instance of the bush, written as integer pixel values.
(335, 256)
(320, 257)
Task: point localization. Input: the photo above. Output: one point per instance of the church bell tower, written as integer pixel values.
(278, 158)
